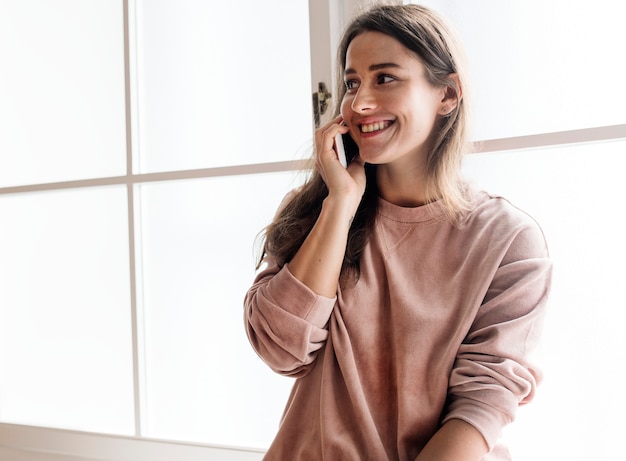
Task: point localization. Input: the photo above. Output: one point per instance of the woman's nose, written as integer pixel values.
(363, 100)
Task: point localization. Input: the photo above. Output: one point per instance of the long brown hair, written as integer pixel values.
(425, 34)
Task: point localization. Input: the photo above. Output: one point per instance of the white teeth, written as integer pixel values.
(369, 128)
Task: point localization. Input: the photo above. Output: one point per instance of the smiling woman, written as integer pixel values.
(144, 144)
(407, 311)
(303, 274)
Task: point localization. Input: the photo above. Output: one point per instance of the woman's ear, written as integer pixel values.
(452, 94)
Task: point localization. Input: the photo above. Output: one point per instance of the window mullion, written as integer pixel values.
(130, 85)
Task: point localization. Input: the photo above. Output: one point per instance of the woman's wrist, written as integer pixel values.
(341, 206)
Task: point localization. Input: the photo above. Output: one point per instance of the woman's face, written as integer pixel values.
(390, 107)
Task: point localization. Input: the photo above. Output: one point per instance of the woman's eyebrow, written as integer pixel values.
(383, 65)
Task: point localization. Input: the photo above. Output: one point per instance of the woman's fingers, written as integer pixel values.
(338, 120)
(345, 182)
(326, 150)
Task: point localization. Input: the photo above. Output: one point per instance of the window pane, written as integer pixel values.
(61, 90)
(541, 66)
(65, 324)
(577, 195)
(222, 83)
(203, 381)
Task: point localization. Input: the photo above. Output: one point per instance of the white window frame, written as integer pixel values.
(20, 442)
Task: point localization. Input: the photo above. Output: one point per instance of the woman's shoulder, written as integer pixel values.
(496, 217)
(487, 206)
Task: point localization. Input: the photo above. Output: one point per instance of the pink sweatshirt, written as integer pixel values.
(439, 326)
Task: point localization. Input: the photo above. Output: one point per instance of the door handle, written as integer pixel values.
(320, 102)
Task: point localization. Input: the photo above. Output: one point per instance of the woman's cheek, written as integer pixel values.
(346, 105)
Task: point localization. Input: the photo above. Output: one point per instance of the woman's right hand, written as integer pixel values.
(317, 264)
(342, 183)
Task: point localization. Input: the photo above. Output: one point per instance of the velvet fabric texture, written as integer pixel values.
(441, 324)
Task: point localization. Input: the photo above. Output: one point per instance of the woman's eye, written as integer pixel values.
(385, 79)
(351, 85)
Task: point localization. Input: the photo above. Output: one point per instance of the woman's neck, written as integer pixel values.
(402, 185)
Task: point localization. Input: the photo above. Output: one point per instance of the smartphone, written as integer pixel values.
(346, 148)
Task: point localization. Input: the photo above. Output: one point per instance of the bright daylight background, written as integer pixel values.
(227, 84)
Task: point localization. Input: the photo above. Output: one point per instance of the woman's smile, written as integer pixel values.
(374, 127)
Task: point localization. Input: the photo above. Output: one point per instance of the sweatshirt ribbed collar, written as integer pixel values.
(411, 215)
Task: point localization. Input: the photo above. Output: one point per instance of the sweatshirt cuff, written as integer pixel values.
(486, 419)
(298, 299)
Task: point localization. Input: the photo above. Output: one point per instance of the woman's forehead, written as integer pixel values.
(376, 49)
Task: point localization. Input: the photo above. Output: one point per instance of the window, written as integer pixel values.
(65, 324)
(145, 144)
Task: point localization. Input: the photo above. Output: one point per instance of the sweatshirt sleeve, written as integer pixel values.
(493, 373)
(285, 320)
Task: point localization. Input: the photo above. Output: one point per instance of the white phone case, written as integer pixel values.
(341, 151)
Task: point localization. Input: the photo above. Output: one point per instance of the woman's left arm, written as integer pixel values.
(456, 440)
(494, 371)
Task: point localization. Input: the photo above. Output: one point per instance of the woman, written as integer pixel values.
(403, 301)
